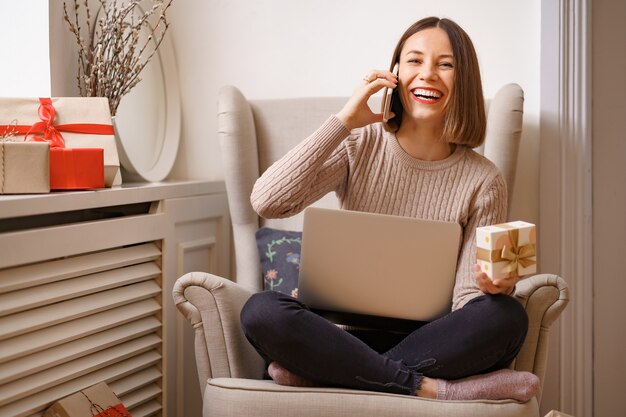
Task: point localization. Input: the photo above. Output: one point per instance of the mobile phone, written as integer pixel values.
(387, 94)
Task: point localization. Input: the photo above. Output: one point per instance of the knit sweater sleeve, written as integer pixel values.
(489, 208)
(313, 168)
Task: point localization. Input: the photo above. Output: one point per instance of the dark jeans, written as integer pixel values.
(483, 336)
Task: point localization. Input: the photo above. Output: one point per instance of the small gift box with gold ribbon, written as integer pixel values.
(70, 125)
(507, 250)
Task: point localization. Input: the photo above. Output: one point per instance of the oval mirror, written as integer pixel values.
(148, 118)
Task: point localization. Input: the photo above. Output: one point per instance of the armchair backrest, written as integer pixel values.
(254, 134)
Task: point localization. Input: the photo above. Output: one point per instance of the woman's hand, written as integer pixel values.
(356, 113)
(497, 286)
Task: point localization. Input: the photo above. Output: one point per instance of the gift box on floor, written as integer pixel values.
(70, 122)
(97, 400)
(507, 250)
(24, 167)
(76, 169)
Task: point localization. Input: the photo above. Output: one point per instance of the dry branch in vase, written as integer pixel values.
(112, 51)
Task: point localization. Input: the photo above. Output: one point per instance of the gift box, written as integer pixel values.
(24, 167)
(76, 169)
(95, 401)
(507, 250)
(70, 122)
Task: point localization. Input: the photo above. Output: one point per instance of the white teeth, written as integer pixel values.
(426, 93)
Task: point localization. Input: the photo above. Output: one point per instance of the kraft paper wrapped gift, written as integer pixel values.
(72, 122)
(98, 400)
(24, 167)
(507, 250)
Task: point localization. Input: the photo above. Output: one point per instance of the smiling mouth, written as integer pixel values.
(427, 96)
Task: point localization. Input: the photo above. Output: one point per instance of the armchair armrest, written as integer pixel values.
(212, 305)
(544, 297)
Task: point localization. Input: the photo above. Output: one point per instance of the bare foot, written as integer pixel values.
(282, 376)
(428, 389)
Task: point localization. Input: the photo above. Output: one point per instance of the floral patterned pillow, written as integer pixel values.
(279, 251)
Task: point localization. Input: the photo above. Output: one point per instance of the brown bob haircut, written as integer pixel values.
(465, 121)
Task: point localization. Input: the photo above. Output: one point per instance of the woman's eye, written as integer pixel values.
(414, 61)
(447, 64)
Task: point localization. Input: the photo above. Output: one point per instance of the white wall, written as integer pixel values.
(24, 57)
(286, 48)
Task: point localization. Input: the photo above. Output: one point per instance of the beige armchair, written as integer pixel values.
(254, 134)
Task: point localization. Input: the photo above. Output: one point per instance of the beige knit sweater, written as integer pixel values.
(369, 171)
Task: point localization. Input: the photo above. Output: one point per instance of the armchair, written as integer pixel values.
(253, 135)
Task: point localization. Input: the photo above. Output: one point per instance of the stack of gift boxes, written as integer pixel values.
(65, 143)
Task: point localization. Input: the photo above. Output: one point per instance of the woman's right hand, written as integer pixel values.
(498, 286)
(356, 112)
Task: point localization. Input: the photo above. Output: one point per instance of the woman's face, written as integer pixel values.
(426, 75)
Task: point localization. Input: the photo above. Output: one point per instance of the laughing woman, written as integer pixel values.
(418, 164)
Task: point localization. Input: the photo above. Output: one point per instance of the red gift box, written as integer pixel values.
(76, 168)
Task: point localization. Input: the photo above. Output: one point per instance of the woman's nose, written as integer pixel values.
(427, 72)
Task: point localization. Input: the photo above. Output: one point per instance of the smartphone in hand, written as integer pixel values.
(387, 94)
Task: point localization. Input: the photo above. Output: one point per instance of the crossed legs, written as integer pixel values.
(483, 336)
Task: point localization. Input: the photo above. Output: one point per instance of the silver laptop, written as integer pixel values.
(377, 265)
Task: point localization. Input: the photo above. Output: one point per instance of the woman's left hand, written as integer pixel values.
(497, 286)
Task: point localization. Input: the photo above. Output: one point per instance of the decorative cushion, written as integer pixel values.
(279, 251)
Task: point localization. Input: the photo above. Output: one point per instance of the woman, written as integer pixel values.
(419, 164)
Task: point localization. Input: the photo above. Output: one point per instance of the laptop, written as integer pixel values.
(377, 265)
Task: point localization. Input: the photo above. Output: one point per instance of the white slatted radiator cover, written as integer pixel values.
(73, 322)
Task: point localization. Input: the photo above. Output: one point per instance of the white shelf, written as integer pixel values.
(20, 205)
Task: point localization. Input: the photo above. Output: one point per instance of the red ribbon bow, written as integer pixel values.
(46, 113)
(51, 132)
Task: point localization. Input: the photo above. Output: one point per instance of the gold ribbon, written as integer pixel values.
(513, 255)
